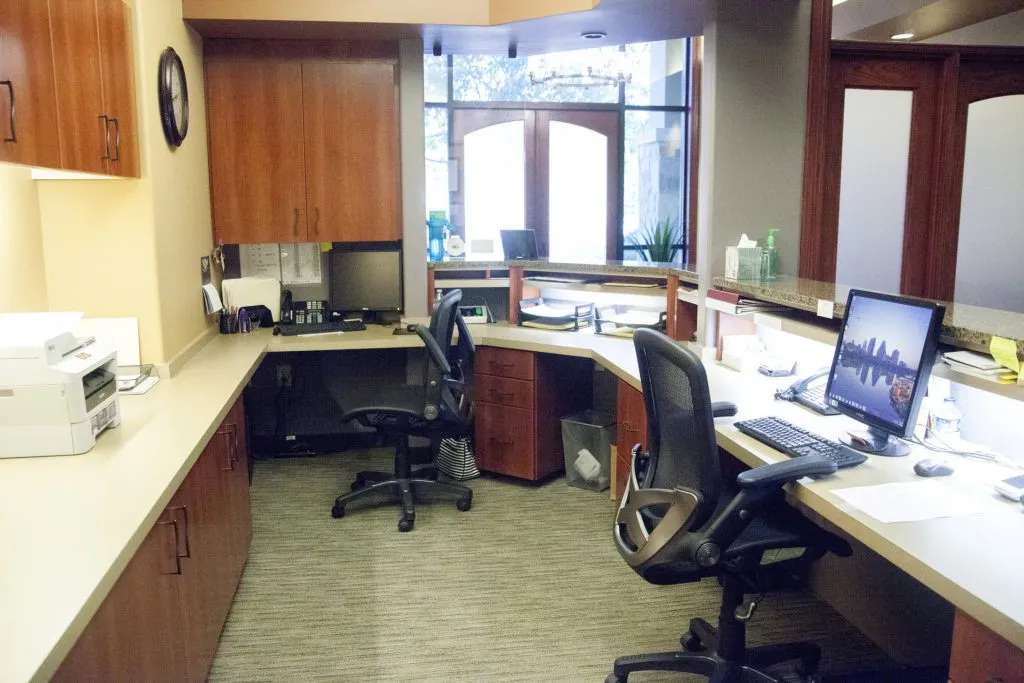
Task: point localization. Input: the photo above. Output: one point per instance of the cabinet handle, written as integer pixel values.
(295, 228)
(177, 557)
(316, 221)
(495, 364)
(188, 543)
(229, 431)
(117, 138)
(628, 426)
(499, 441)
(10, 91)
(499, 395)
(106, 136)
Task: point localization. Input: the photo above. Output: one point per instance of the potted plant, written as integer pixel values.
(658, 240)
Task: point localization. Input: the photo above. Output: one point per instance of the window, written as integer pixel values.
(647, 153)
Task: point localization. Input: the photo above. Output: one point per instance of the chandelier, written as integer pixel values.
(580, 80)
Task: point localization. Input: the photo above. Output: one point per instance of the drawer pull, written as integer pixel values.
(500, 395)
(177, 557)
(10, 91)
(496, 364)
(188, 544)
(501, 442)
(628, 426)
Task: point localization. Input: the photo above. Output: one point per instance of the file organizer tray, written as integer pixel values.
(555, 314)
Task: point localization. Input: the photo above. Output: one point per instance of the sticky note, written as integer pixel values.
(826, 307)
(326, 246)
(1005, 352)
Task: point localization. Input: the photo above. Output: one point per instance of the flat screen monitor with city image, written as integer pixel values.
(881, 367)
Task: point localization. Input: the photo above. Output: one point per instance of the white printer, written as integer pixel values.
(57, 392)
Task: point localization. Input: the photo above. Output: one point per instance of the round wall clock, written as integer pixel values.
(173, 91)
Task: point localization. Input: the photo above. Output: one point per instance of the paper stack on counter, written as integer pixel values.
(1002, 366)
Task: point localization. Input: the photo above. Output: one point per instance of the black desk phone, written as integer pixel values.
(809, 392)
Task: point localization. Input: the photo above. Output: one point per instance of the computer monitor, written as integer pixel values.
(881, 367)
(366, 280)
(519, 244)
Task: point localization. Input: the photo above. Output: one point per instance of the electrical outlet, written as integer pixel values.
(284, 376)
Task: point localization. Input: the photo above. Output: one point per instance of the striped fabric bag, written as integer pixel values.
(455, 458)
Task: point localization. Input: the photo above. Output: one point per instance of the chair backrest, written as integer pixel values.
(681, 430)
(451, 392)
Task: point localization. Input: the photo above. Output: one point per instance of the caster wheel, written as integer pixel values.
(464, 504)
(612, 678)
(337, 511)
(356, 485)
(691, 643)
(405, 525)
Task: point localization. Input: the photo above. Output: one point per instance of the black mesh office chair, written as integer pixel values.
(441, 406)
(679, 522)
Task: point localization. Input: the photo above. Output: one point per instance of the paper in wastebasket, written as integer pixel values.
(586, 465)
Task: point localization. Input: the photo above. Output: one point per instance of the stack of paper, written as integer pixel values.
(1002, 366)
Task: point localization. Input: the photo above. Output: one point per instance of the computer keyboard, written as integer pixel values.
(796, 442)
(322, 328)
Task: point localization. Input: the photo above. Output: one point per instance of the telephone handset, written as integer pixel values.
(287, 310)
(809, 392)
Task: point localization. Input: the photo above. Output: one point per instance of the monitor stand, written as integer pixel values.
(877, 442)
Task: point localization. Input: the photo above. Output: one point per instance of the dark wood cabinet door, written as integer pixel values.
(505, 440)
(84, 133)
(632, 419)
(257, 173)
(206, 572)
(114, 20)
(28, 99)
(353, 170)
(239, 510)
(137, 632)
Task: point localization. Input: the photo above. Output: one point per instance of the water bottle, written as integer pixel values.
(437, 233)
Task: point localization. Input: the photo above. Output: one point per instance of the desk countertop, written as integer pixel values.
(69, 525)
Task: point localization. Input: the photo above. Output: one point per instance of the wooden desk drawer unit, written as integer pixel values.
(981, 656)
(505, 363)
(521, 398)
(503, 391)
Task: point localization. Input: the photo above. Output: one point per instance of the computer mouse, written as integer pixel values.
(277, 330)
(932, 468)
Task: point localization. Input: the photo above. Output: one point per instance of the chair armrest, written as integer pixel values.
(779, 473)
(433, 349)
(723, 409)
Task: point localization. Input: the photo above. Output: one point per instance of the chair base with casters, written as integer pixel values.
(721, 653)
(404, 486)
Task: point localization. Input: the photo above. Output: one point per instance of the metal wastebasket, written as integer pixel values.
(587, 438)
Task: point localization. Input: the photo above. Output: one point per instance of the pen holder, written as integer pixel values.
(228, 323)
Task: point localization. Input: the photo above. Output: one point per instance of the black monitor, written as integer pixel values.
(881, 367)
(366, 280)
(519, 244)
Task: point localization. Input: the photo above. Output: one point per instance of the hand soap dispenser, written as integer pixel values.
(770, 257)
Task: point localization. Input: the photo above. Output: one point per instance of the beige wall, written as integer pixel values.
(132, 247)
(22, 275)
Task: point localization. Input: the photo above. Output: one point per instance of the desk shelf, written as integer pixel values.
(472, 283)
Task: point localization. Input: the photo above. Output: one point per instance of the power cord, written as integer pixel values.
(950, 450)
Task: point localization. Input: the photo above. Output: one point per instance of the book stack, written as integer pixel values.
(979, 365)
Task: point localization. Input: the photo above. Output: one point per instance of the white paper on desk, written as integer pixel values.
(211, 299)
(912, 501)
(122, 333)
(546, 311)
(140, 388)
(260, 260)
(635, 318)
(300, 264)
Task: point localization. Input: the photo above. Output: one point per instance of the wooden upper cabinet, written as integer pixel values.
(353, 182)
(28, 100)
(118, 86)
(257, 174)
(84, 133)
(93, 61)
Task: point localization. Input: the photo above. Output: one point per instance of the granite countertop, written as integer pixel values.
(967, 326)
(685, 272)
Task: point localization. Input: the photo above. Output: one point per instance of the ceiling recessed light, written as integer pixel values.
(902, 36)
(593, 35)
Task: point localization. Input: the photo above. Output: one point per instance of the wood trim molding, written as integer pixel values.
(697, 71)
(814, 140)
(671, 307)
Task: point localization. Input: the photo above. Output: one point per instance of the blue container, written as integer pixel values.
(437, 232)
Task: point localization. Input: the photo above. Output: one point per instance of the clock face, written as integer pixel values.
(173, 92)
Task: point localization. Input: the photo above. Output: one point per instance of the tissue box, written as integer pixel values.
(743, 263)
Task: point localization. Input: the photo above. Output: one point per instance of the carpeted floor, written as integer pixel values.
(526, 586)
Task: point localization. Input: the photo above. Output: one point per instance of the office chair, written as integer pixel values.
(441, 407)
(680, 521)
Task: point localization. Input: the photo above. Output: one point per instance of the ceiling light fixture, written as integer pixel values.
(580, 80)
(902, 36)
(593, 35)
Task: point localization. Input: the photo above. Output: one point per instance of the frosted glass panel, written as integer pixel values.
(495, 159)
(873, 188)
(578, 193)
(992, 206)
